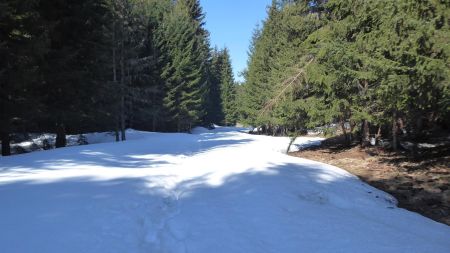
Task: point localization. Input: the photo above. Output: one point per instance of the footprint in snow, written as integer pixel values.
(314, 197)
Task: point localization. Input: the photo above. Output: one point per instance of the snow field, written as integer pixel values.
(210, 191)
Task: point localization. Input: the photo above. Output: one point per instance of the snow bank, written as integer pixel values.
(38, 142)
(304, 142)
(213, 191)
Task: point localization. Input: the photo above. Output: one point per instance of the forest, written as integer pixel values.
(372, 68)
(73, 66)
(375, 68)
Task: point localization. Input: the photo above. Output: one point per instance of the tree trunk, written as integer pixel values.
(116, 132)
(352, 127)
(60, 136)
(154, 123)
(363, 89)
(114, 69)
(401, 125)
(114, 55)
(344, 130)
(6, 148)
(123, 136)
(417, 136)
(419, 126)
(129, 104)
(122, 87)
(154, 113)
(394, 131)
(378, 135)
(122, 118)
(365, 137)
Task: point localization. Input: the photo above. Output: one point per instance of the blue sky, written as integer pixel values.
(231, 24)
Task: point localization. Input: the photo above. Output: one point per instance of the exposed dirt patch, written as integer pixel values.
(420, 184)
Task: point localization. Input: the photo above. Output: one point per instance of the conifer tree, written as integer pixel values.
(257, 88)
(148, 89)
(228, 90)
(214, 110)
(184, 69)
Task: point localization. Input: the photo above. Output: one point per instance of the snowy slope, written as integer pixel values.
(211, 191)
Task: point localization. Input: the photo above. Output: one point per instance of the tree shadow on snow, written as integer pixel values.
(130, 154)
(301, 205)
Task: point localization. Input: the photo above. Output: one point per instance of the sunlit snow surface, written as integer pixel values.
(210, 191)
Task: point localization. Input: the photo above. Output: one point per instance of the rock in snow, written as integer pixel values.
(211, 191)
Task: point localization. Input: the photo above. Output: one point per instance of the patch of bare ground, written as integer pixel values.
(420, 184)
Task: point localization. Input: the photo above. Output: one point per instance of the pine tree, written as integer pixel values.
(214, 110)
(148, 90)
(257, 88)
(184, 69)
(195, 12)
(228, 90)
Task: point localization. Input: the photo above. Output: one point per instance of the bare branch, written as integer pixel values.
(286, 85)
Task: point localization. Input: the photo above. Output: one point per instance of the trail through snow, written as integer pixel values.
(210, 191)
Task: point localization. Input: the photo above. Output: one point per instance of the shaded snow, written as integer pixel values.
(304, 142)
(212, 191)
(36, 142)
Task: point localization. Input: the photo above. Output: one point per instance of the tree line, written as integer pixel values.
(374, 67)
(73, 66)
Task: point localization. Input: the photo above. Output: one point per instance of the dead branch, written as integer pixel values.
(286, 85)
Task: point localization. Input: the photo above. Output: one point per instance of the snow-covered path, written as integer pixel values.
(212, 191)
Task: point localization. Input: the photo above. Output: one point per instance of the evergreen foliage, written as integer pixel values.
(227, 90)
(23, 42)
(376, 65)
(214, 99)
(184, 69)
(106, 65)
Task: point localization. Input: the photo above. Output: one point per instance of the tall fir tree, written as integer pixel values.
(184, 70)
(214, 109)
(228, 90)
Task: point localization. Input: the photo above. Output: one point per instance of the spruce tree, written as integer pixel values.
(257, 88)
(228, 90)
(214, 110)
(184, 69)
